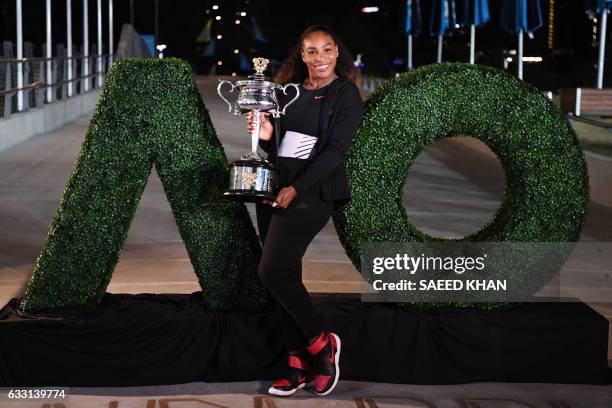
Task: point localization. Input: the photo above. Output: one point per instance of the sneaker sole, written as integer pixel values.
(281, 393)
(337, 359)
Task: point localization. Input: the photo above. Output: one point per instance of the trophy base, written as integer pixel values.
(249, 196)
(251, 180)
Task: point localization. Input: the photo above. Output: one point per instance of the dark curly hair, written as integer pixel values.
(294, 69)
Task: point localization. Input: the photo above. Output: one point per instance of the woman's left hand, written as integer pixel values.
(284, 197)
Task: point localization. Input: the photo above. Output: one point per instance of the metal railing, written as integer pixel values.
(46, 80)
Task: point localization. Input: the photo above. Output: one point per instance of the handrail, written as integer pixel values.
(40, 84)
(35, 71)
(34, 59)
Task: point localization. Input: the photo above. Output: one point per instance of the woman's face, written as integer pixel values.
(319, 53)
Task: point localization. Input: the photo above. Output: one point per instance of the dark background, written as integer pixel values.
(379, 37)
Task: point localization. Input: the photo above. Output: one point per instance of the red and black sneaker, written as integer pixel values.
(299, 374)
(326, 354)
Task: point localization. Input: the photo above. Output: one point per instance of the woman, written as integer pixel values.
(315, 135)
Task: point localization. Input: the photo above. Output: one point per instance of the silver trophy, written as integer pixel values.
(252, 177)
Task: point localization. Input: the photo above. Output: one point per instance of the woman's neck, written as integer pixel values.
(315, 83)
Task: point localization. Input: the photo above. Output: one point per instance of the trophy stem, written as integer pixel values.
(256, 129)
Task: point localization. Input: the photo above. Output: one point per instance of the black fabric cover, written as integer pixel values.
(150, 339)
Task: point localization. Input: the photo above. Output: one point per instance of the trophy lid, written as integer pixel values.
(260, 65)
(258, 80)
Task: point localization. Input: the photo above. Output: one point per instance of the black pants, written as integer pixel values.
(285, 235)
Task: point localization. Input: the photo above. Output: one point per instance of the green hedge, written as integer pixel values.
(149, 113)
(546, 192)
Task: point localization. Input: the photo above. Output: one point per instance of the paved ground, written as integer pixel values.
(347, 394)
(452, 190)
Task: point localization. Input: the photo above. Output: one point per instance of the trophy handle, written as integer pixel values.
(221, 82)
(277, 113)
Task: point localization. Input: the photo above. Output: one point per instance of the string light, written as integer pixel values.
(243, 14)
(236, 51)
(218, 18)
(215, 7)
(551, 24)
(219, 37)
(370, 9)
(219, 62)
(526, 59)
(237, 21)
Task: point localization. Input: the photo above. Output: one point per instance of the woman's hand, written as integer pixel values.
(265, 132)
(284, 197)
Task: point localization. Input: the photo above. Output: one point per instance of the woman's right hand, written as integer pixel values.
(265, 132)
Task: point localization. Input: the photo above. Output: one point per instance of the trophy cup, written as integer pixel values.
(252, 177)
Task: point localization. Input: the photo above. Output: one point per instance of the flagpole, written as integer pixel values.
(49, 53)
(99, 57)
(520, 54)
(602, 47)
(439, 48)
(472, 42)
(19, 26)
(110, 33)
(410, 52)
(85, 57)
(156, 27)
(70, 64)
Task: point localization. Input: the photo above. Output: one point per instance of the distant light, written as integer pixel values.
(357, 61)
(161, 48)
(218, 18)
(243, 13)
(219, 62)
(457, 26)
(237, 21)
(233, 74)
(512, 52)
(527, 59)
(219, 37)
(370, 10)
(236, 51)
(215, 7)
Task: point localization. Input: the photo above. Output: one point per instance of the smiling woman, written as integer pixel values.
(314, 137)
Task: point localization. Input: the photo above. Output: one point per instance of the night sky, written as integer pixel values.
(378, 37)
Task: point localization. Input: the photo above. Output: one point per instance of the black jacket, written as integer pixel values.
(340, 118)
